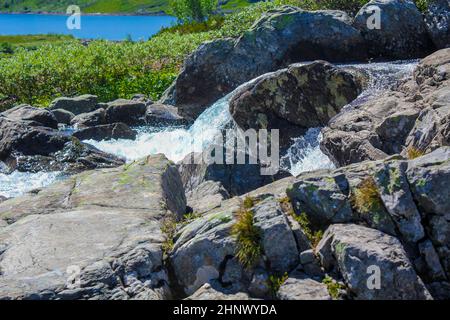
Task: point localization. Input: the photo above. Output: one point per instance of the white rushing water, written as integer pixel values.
(18, 183)
(177, 142)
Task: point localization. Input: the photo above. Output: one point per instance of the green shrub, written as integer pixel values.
(192, 10)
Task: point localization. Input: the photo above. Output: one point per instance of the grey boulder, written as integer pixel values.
(76, 105)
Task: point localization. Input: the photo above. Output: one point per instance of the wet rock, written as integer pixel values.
(280, 38)
(90, 119)
(292, 99)
(33, 116)
(74, 158)
(63, 116)
(2, 199)
(300, 287)
(163, 115)
(21, 137)
(437, 19)
(356, 251)
(106, 235)
(402, 33)
(106, 132)
(129, 112)
(76, 105)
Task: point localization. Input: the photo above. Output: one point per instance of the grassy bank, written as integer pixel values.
(61, 66)
(30, 41)
(101, 6)
(111, 70)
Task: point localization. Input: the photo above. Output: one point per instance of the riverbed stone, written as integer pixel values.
(76, 105)
(129, 112)
(34, 116)
(106, 132)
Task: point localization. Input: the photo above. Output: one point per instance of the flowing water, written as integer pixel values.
(177, 142)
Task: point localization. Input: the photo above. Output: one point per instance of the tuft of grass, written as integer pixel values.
(333, 287)
(275, 282)
(414, 153)
(247, 235)
(169, 228)
(366, 198)
(249, 202)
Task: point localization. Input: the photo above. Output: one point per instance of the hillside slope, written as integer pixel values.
(99, 6)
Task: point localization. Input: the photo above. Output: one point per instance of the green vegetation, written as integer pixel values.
(169, 229)
(8, 44)
(414, 153)
(88, 6)
(192, 10)
(275, 283)
(247, 235)
(333, 287)
(38, 69)
(366, 198)
(110, 70)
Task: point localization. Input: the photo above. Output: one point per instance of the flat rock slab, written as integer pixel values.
(96, 235)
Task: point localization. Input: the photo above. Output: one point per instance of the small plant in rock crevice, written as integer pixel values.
(275, 282)
(247, 235)
(314, 236)
(169, 229)
(414, 153)
(366, 197)
(333, 287)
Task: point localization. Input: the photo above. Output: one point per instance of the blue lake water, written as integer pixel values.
(92, 27)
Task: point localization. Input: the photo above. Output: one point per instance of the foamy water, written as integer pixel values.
(18, 183)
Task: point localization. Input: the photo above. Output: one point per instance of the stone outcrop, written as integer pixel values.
(400, 230)
(415, 116)
(278, 39)
(294, 99)
(105, 240)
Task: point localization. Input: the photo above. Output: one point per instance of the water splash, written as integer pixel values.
(18, 183)
(305, 154)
